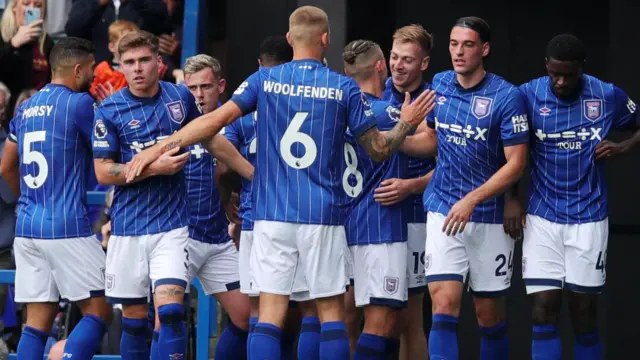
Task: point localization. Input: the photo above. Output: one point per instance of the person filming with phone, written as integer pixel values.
(24, 46)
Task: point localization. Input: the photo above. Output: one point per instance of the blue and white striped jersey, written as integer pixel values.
(242, 134)
(418, 167)
(125, 125)
(473, 127)
(304, 109)
(368, 222)
(53, 133)
(567, 184)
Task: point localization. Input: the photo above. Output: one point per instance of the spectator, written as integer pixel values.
(24, 49)
(170, 42)
(90, 19)
(24, 96)
(57, 15)
(5, 98)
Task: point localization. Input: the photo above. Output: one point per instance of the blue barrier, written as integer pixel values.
(206, 319)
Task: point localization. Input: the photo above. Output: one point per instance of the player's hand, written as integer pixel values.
(459, 216)
(514, 218)
(140, 161)
(607, 149)
(415, 112)
(169, 163)
(103, 92)
(392, 191)
(231, 209)
(27, 33)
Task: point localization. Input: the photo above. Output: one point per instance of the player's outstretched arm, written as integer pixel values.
(424, 143)
(194, 132)
(108, 172)
(10, 167)
(380, 145)
(224, 151)
(504, 178)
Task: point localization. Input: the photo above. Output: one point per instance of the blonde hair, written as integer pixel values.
(200, 62)
(120, 28)
(9, 26)
(307, 23)
(416, 34)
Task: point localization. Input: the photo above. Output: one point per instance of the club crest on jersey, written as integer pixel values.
(592, 109)
(390, 285)
(176, 111)
(100, 130)
(481, 107)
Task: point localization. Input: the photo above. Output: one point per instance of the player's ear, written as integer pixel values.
(77, 70)
(160, 62)
(425, 63)
(289, 38)
(222, 84)
(325, 40)
(486, 48)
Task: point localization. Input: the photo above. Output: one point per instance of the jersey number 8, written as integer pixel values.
(29, 157)
(293, 135)
(351, 159)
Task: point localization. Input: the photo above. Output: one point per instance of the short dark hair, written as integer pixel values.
(476, 24)
(275, 50)
(138, 39)
(69, 51)
(566, 47)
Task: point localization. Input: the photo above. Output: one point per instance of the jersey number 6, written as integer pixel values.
(293, 135)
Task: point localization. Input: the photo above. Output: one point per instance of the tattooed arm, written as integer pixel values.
(108, 172)
(379, 145)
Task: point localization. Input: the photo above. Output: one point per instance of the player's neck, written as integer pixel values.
(305, 53)
(146, 93)
(410, 88)
(371, 86)
(67, 82)
(467, 81)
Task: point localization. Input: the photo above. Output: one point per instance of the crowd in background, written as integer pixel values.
(28, 31)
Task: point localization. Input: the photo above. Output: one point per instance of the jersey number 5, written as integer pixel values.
(293, 135)
(29, 157)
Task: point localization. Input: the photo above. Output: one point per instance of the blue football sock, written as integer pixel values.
(172, 341)
(155, 355)
(588, 347)
(370, 347)
(546, 343)
(334, 343)
(232, 343)
(252, 325)
(265, 342)
(494, 343)
(309, 341)
(443, 338)
(393, 348)
(86, 338)
(31, 345)
(133, 343)
(287, 342)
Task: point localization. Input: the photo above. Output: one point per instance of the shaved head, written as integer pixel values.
(307, 25)
(360, 57)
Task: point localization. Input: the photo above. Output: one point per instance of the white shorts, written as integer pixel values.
(379, 273)
(280, 250)
(136, 262)
(49, 269)
(573, 255)
(215, 265)
(417, 233)
(483, 251)
(246, 242)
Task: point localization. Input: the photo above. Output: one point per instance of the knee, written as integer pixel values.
(545, 308)
(171, 313)
(489, 312)
(584, 314)
(445, 302)
(379, 320)
(138, 311)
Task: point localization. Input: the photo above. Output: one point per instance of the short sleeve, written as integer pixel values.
(85, 111)
(514, 127)
(246, 95)
(626, 115)
(232, 134)
(361, 117)
(13, 124)
(105, 140)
